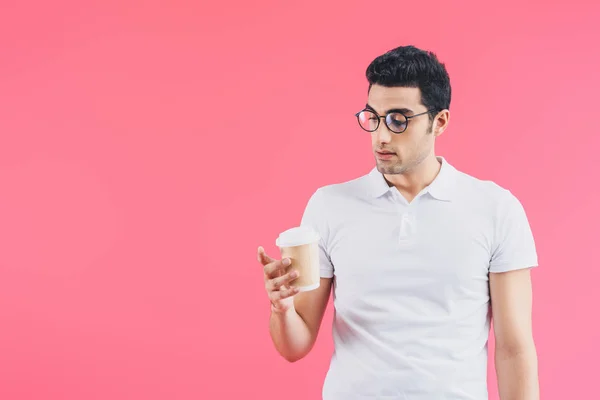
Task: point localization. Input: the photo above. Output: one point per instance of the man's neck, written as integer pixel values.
(410, 183)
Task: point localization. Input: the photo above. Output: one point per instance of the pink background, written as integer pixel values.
(148, 148)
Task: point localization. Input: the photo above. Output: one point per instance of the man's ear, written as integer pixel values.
(440, 123)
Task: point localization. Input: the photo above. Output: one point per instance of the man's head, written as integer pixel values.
(405, 82)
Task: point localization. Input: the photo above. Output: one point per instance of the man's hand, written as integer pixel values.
(277, 280)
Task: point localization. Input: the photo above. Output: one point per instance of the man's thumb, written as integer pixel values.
(263, 258)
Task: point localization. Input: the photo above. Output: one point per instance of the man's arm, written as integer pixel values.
(296, 320)
(294, 331)
(515, 356)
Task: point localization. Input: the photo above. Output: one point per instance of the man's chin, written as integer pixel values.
(389, 168)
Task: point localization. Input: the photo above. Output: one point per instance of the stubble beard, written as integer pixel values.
(398, 167)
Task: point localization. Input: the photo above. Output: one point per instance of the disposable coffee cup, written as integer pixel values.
(301, 246)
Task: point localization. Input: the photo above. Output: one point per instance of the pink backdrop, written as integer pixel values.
(148, 148)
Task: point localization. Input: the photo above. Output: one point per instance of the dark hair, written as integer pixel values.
(408, 66)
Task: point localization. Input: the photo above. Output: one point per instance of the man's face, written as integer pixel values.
(409, 148)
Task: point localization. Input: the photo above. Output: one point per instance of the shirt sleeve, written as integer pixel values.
(314, 217)
(514, 246)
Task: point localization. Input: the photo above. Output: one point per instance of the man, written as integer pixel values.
(419, 256)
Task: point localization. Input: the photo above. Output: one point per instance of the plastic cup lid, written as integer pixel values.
(297, 236)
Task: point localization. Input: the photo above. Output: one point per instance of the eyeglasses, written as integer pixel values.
(396, 121)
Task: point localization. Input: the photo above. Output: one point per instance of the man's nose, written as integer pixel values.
(383, 134)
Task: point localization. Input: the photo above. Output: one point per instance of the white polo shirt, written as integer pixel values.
(411, 290)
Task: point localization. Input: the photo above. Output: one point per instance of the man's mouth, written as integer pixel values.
(384, 155)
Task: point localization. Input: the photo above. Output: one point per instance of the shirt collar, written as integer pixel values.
(441, 188)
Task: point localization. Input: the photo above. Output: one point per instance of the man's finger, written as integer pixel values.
(283, 294)
(275, 268)
(263, 258)
(279, 282)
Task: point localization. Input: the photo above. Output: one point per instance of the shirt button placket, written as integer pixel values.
(407, 220)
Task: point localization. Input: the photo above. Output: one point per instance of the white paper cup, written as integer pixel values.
(301, 246)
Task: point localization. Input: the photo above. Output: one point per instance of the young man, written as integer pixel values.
(419, 256)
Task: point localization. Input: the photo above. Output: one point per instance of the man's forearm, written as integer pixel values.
(517, 373)
(290, 334)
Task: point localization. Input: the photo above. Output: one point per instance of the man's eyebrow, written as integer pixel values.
(400, 110)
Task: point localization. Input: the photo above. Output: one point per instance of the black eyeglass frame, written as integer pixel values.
(408, 118)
